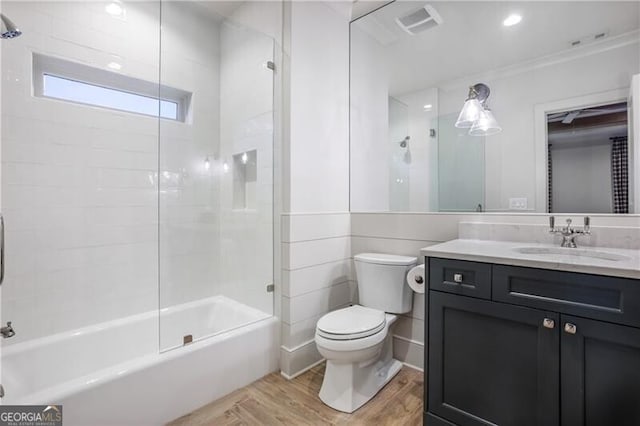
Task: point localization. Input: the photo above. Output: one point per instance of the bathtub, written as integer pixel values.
(114, 374)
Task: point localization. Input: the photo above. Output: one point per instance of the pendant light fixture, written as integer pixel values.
(476, 115)
(485, 125)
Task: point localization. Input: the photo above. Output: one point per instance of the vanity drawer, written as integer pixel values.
(460, 277)
(610, 299)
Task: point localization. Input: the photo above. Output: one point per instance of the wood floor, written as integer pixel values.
(274, 400)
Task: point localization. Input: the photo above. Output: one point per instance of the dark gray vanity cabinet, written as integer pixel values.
(505, 351)
(490, 361)
(600, 367)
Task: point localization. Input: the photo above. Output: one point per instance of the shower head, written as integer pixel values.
(403, 142)
(9, 29)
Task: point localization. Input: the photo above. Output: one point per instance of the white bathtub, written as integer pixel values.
(113, 373)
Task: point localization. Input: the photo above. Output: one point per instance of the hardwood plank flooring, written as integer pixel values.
(274, 400)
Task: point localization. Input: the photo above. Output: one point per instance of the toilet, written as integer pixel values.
(356, 341)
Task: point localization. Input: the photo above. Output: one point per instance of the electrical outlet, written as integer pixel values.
(517, 203)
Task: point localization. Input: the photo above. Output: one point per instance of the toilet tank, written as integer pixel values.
(382, 281)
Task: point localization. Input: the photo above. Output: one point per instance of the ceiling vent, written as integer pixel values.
(420, 20)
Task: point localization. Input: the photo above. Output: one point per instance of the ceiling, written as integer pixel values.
(472, 38)
(587, 137)
(220, 9)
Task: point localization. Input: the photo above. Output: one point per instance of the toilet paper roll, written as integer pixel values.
(416, 279)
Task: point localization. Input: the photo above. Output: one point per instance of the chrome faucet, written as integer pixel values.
(568, 233)
(7, 331)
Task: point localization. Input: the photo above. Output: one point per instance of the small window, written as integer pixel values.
(59, 79)
(85, 93)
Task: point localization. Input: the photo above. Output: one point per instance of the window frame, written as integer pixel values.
(61, 68)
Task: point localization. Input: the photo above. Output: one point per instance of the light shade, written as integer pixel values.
(486, 124)
(469, 114)
(9, 29)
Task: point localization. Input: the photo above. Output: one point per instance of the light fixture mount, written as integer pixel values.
(479, 91)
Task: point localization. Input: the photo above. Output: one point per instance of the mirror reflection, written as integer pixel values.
(496, 106)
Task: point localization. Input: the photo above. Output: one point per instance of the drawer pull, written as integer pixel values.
(570, 328)
(457, 278)
(548, 323)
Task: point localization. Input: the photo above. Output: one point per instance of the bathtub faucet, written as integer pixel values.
(7, 331)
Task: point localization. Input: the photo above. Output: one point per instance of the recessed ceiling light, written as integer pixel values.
(428, 107)
(511, 20)
(113, 9)
(114, 66)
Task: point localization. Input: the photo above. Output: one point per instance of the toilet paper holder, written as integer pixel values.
(416, 278)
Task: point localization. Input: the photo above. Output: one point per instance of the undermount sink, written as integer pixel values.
(576, 252)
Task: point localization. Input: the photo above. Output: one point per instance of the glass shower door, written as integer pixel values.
(400, 158)
(216, 176)
(461, 176)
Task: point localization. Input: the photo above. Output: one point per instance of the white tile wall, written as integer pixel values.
(189, 194)
(79, 184)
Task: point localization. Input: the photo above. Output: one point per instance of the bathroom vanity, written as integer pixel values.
(531, 335)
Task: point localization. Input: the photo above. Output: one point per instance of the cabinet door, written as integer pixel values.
(491, 363)
(600, 364)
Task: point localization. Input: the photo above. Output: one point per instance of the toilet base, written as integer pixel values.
(348, 386)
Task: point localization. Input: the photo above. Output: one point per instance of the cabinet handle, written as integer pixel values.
(570, 328)
(457, 278)
(548, 323)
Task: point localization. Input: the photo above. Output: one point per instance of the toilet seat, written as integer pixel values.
(352, 323)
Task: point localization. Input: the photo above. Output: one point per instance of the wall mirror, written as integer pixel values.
(496, 107)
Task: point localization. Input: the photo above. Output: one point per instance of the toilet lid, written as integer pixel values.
(354, 322)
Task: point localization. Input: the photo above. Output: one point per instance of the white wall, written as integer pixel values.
(369, 118)
(316, 278)
(315, 233)
(319, 107)
(79, 195)
(582, 178)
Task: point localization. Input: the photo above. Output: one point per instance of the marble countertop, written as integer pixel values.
(505, 253)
